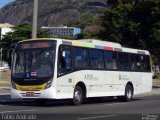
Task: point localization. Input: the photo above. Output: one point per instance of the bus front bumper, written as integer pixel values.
(49, 93)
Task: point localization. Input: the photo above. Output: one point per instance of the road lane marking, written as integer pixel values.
(95, 117)
(18, 111)
(116, 104)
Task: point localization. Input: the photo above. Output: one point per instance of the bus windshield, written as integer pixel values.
(33, 63)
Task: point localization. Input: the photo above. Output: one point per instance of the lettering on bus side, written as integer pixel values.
(90, 77)
(123, 77)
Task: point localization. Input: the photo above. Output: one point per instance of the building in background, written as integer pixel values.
(5, 28)
(62, 31)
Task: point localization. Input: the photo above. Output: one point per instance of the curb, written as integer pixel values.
(4, 88)
(4, 91)
(155, 91)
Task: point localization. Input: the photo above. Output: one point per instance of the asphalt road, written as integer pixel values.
(141, 108)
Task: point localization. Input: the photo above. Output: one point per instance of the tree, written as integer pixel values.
(20, 32)
(134, 25)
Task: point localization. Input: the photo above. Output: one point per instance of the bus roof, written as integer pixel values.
(94, 43)
(100, 42)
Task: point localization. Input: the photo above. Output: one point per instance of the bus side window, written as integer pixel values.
(121, 61)
(96, 59)
(147, 63)
(142, 60)
(127, 61)
(133, 62)
(138, 62)
(108, 59)
(114, 61)
(65, 60)
(81, 58)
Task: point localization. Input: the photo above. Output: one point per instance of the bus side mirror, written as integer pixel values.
(63, 54)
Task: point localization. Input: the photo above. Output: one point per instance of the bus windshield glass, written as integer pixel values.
(33, 63)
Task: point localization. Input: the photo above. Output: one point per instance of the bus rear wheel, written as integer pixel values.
(77, 96)
(128, 93)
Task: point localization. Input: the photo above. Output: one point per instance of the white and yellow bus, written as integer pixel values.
(77, 69)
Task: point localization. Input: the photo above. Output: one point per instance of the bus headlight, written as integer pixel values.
(13, 85)
(48, 85)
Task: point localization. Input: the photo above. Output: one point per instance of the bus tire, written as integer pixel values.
(78, 96)
(128, 93)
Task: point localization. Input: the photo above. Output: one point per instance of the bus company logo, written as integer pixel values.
(120, 77)
(149, 117)
(123, 77)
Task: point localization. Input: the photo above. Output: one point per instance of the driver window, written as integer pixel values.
(64, 61)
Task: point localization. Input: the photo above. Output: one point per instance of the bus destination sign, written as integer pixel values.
(36, 45)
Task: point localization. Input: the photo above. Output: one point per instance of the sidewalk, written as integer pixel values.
(155, 91)
(4, 91)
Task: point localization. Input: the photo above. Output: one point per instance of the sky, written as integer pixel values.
(4, 2)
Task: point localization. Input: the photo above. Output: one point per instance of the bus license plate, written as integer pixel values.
(29, 94)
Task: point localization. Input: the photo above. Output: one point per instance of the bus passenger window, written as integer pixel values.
(138, 63)
(96, 59)
(121, 61)
(126, 61)
(145, 63)
(114, 61)
(81, 58)
(114, 64)
(148, 64)
(142, 60)
(133, 62)
(110, 60)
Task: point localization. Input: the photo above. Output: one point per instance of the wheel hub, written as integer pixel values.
(77, 96)
(129, 93)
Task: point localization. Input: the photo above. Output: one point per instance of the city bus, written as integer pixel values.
(52, 68)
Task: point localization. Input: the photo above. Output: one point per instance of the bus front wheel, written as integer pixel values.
(77, 96)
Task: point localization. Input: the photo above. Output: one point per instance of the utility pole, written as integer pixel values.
(1, 53)
(1, 57)
(34, 21)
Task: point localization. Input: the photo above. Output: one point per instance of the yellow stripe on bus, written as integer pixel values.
(31, 88)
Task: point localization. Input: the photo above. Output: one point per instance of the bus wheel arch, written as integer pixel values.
(83, 86)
